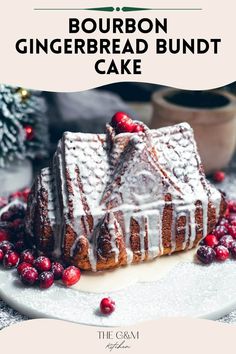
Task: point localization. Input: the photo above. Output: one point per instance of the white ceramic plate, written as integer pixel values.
(187, 290)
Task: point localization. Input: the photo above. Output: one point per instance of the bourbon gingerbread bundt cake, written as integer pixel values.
(113, 199)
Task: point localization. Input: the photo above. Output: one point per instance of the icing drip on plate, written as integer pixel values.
(124, 277)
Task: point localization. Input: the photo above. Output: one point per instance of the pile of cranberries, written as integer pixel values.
(221, 243)
(36, 270)
(122, 123)
(15, 252)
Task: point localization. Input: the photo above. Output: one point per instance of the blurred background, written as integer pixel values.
(31, 123)
(211, 114)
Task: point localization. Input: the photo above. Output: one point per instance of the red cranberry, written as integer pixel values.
(6, 246)
(25, 194)
(219, 176)
(16, 195)
(11, 259)
(222, 253)
(42, 264)
(125, 126)
(29, 276)
(224, 222)
(233, 222)
(206, 254)
(232, 230)
(232, 206)
(211, 240)
(220, 231)
(231, 217)
(27, 256)
(107, 306)
(118, 117)
(233, 249)
(17, 211)
(122, 123)
(20, 246)
(6, 216)
(3, 202)
(23, 266)
(226, 213)
(226, 241)
(46, 279)
(4, 235)
(57, 269)
(1, 255)
(137, 128)
(71, 276)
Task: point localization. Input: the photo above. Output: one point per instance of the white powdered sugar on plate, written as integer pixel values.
(193, 290)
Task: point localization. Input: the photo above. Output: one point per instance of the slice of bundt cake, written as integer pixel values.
(113, 199)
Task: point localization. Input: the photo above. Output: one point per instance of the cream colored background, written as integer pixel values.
(74, 72)
(164, 336)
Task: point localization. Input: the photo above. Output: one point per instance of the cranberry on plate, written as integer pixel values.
(46, 280)
(29, 276)
(232, 206)
(22, 266)
(232, 230)
(42, 264)
(71, 276)
(107, 306)
(226, 241)
(220, 231)
(6, 246)
(211, 240)
(57, 269)
(11, 259)
(222, 253)
(27, 256)
(206, 254)
(233, 249)
(1, 255)
(4, 235)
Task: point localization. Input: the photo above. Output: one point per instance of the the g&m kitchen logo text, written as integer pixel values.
(118, 44)
(115, 340)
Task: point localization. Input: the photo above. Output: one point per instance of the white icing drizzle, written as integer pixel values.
(204, 216)
(159, 228)
(127, 220)
(48, 183)
(92, 258)
(59, 170)
(154, 219)
(192, 224)
(186, 231)
(112, 233)
(142, 233)
(173, 235)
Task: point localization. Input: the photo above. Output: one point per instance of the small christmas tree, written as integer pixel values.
(23, 124)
